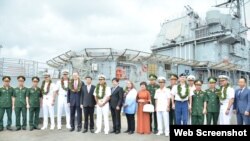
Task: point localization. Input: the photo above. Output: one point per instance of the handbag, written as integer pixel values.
(148, 108)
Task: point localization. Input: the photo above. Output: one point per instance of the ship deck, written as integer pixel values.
(65, 135)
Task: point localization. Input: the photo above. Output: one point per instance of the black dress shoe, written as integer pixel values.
(8, 128)
(84, 131)
(18, 129)
(113, 131)
(117, 132)
(72, 129)
(131, 132)
(92, 130)
(37, 128)
(1, 130)
(155, 132)
(31, 128)
(79, 129)
(24, 128)
(126, 131)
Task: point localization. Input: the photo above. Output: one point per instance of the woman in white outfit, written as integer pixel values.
(162, 105)
(48, 91)
(102, 95)
(62, 105)
(226, 96)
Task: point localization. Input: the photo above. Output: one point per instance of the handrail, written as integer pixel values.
(29, 68)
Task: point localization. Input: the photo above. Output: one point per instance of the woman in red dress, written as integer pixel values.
(143, 119)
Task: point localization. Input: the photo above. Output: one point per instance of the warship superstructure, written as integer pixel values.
(210, 46)
(189, 44)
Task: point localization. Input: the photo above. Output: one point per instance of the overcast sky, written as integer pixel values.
(42, 29)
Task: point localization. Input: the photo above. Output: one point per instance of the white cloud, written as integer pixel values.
(16, 51)
(42, 29)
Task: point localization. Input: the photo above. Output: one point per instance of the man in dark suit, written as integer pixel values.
(115, 105)
(242, 103)
(88, 104)
(73, 99)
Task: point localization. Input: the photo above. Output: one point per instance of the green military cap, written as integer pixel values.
(198, 82)
(21, 77)
(173, 77)
(6, 77)
(212, 80)
(35, 78)
(152, 77)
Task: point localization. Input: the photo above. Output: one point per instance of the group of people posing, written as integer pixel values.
(183, 102)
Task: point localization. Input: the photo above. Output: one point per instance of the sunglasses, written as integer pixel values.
(6, 81)
(35, 81)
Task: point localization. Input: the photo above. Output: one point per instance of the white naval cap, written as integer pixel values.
(46, 74)
(191, 77)
(65, 71)
(223, 77)
(101, 76)
(161, 78)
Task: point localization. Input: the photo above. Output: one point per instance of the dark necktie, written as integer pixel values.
(240, 92)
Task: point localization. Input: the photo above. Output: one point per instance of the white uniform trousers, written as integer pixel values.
(163, 119)
(102, 112)
(48, 109)
(223, 118)
(63, 106)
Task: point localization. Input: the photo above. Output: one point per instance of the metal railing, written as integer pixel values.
(28, 68)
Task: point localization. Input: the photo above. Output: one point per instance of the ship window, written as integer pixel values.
(167, 67)
(152, 69)
(201, 33)
(243, 41)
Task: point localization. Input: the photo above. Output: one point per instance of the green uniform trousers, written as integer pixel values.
(171, 115)
(153, 122)
(18, 112)
(9, 114)
(212, 116)
(34, 117)
(197, 119)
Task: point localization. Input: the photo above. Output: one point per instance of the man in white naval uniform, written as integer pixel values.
(102, 95)
(190, 80)
(62, 105)
(226, 96)
(49, 92)
(162, 102)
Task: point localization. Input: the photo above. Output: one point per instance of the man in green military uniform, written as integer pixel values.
(19, 103)
(152, 87)
(199, 104)
(33, 103)
(173, 82)
(6, 93)
(213, 102)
